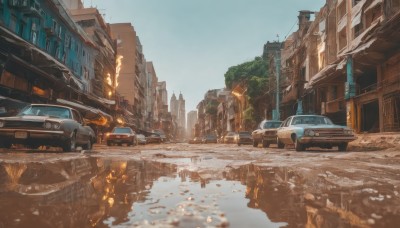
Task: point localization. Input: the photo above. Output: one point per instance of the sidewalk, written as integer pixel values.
(376, 141)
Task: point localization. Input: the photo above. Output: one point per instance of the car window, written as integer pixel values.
(312, 120)
(272, 125)
(41, 110)
(287, 122)
(122, 130)
(77, 116)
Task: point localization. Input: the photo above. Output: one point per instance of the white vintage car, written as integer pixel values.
(313, 131)
(44, 124)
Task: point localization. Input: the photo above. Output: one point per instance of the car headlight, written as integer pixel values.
(309, 132)
(56, 126)
(48, 125)
(1, 123)
(51, 125)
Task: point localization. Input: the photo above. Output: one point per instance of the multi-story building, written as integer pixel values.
(127, 81)
(42, 48)
(104, 82)
(345, 64)
(191, 123)
(151, 96)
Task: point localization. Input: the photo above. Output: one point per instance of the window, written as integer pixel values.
(34, 33)
(48, 45)
(342, 39)
(341, 10)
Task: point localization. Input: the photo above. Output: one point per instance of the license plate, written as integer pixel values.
(21, 135)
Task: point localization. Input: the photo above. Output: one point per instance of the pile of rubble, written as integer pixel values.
(375, 142)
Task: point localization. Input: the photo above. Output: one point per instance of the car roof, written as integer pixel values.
(51, 105)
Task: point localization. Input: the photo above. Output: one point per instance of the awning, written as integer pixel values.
(321, 75)
(93, 115)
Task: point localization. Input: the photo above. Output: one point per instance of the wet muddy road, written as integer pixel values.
(213, 185)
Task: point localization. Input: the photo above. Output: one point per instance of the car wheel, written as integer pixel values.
(255, 143)
(298, 146)
(343, 147)
(280, 144)
(265, 144)
(88, 145)
(70, 144)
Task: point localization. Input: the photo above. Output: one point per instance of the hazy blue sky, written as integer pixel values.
(192, 43)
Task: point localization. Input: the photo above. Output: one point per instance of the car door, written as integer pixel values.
(82, 134)
(284, 131)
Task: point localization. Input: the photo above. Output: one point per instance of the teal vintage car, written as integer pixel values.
(306, 131)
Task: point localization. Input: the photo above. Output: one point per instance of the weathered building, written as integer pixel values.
(191, 123)
(125, 36)
(42, 49)
(151, 96)
(344, 64)
(104, 82)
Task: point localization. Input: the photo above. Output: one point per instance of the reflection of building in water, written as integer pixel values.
(76, 193)
(282, 194)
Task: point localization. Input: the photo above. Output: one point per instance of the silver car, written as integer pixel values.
(44, 124)
(313, 130)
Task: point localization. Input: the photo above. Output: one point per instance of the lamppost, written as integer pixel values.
(276, 114)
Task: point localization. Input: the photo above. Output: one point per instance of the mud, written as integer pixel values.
(183, 185)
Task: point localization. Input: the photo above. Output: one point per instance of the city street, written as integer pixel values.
(199, 185)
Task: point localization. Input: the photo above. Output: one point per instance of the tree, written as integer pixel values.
(254, 75)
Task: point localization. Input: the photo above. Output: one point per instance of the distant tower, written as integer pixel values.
(174, 106)
(181, 113)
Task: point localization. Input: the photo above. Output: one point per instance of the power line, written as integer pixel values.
(295, 22)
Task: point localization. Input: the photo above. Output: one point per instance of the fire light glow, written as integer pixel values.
(109, 81)
(119, 65)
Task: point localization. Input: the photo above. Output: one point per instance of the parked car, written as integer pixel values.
(229, 137)
(209, 138)
(153, 138)
(43, 124)
(266, 133)
(195, 140)
(243, 137)
(141, 139)
(120, 135)
(313, 130)
(161, 134)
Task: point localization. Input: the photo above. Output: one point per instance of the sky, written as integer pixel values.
(192, 43)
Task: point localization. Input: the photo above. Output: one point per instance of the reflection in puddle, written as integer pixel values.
(96, 192)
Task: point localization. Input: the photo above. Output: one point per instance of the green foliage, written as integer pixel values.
(253, 75)
(256, 68)
(212, 107)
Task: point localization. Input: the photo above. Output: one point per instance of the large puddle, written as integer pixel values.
(97, 192)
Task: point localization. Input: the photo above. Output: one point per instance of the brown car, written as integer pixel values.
(120, 135)
(266, 133)
(50, 125)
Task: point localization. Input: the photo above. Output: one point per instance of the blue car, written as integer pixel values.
(313, 131)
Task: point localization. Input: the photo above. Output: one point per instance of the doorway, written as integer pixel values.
(370, 117)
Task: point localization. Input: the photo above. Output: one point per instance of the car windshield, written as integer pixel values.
(315, 120)
(272, 124)
(244, 133)
(140, 136)
(37, 110)
(122, 130)
(211, 136)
